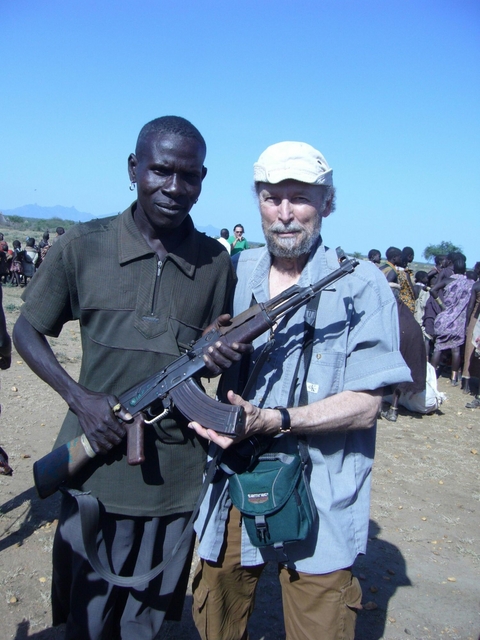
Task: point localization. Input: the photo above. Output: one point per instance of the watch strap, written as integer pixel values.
(286, 426)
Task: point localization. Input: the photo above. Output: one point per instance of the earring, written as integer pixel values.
(132, 186)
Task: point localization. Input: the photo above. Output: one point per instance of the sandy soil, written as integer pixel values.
(420, 577)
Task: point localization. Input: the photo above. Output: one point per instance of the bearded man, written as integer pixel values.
(328, 393)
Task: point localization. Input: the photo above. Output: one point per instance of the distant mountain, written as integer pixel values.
(213, 232)
(36, 211)
(70, 213)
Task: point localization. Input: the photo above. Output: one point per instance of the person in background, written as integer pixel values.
(44, 246)
(59, 231)
(5, 362)
(475, 403)
(354, 354)
(3, 243)
(443, 269)
(5, 340)
(30, 260)
(390, 268)
(4, 267)
(412, 344)
(421, 283)
(408, 255)
(375, 256)
(129, 332)
(16, 264)
(435, 272)
(431, 311)
(422, 294)
(406, 294)
(45, 239)
(450, 323)
(237, 241)
(471, 274)
(223, 239)
(471, 363)
(441, 265)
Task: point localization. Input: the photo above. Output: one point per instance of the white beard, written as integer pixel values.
(296, 246)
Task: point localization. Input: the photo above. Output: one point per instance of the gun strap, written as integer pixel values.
(89, 511)
(309, 332)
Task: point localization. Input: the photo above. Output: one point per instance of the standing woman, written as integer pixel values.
(449, 325)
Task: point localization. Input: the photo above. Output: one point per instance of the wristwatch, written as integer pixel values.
(286, 425)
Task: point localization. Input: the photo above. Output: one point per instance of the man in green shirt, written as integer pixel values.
(237, 241)
(143, 285)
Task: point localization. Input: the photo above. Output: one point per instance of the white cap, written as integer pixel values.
(292, 161)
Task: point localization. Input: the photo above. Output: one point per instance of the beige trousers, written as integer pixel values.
(314, 606)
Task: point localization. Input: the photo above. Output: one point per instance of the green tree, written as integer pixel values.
(440, 249)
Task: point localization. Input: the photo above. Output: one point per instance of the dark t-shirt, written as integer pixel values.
(136, 316)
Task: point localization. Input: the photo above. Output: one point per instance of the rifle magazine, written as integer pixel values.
(195, 405)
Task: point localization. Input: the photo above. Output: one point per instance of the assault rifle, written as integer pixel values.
(153, 399)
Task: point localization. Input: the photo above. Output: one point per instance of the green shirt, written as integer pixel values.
(240, 246)
(136, 316)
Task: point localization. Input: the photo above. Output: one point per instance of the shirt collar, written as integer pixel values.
(132, 245)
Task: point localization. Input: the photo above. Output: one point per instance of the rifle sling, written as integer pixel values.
(89, 511)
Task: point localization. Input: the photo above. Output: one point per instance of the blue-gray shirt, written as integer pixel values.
(356, 348)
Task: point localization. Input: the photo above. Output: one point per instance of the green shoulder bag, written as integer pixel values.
(274, 494)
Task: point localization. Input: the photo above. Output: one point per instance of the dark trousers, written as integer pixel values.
(92, 608)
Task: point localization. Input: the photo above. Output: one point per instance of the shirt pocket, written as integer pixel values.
(325, 375)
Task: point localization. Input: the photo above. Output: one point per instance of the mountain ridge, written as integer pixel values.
(71, 213)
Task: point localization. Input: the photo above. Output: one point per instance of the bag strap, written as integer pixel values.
(258, 365)
(89, 510)
(307, 348)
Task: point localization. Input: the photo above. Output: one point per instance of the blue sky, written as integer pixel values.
(389, 91)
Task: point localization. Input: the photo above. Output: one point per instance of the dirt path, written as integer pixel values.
(420, 577)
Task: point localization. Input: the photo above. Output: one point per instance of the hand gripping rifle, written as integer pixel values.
(176, 385)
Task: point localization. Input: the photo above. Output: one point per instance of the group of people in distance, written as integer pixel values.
(445, 302)
(151, 287)
(17, 265)
(236, 243)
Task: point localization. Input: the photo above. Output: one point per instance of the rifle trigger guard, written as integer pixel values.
(160, 416)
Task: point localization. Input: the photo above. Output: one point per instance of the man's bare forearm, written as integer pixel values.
(342, 412)
(94, 410)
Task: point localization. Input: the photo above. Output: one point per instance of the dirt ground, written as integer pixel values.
(421, 574)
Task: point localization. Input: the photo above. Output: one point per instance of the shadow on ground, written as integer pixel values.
(54, 633)
(381, 572)
(31, 511)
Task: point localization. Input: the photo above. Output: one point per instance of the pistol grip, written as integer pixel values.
(135, 453)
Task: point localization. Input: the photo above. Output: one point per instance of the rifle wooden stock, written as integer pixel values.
(176, 384)
(64, 462)
(57, 466)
